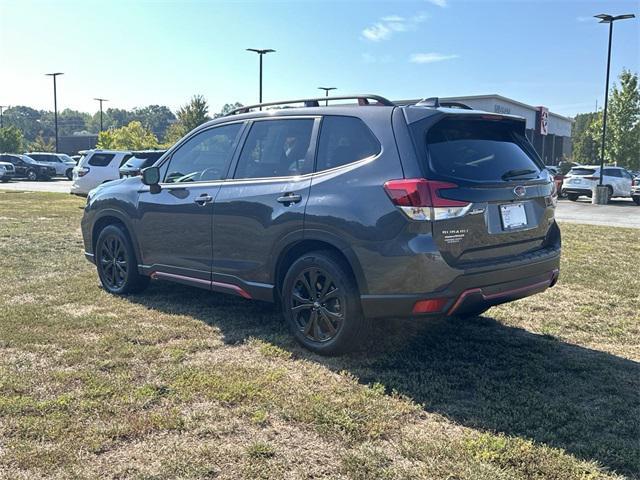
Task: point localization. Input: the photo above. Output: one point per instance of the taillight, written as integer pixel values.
(82, 171)
(420, 199)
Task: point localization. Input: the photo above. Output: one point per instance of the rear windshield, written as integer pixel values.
(480, 150)
(100, 159)
(582, 171)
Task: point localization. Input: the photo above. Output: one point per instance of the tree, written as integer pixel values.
(42, 145)
(11, 140)
(623, 125)
(28, 120)
(227, 108)
(130, 137)
(585, 146)
(174, 133)
(194, 113)
(156, 118)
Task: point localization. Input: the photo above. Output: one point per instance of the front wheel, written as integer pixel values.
(32, 175)
(321, 304)
(116, 262)
(637, 200)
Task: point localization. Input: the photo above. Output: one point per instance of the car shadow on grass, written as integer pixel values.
(477, 372)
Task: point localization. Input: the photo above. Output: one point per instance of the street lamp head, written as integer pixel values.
(54, 74)
(101, 99)
(260, 51)
(605, 18)
(326, 89)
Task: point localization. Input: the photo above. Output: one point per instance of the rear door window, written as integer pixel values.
(344, 140)
(100, 159)
(480, 150)
(276, 148)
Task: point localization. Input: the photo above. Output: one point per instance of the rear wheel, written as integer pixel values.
(321, 304)
(69, 174)
(637, 200)
(572, 196)
(609, 193)
(116, 262)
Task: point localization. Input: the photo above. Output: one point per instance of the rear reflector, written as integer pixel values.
(420, 199)
(432, 305)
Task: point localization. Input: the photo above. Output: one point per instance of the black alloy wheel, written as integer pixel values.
(116, 262)
(321, 303)
(113, 262)
(317, 305)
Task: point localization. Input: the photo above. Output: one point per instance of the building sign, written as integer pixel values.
(543, 120)
(501, 109)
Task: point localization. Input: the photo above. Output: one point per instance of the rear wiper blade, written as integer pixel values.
(516, 173)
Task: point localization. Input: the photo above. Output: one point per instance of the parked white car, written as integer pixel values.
(97, 167)
(583, 179)
(62, 162)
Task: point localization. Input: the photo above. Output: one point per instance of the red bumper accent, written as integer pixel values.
(513, 293)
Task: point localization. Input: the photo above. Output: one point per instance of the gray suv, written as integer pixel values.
(343, 213)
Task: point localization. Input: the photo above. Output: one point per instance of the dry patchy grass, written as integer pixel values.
(182, 383)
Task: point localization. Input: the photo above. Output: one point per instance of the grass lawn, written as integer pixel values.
(179, 382)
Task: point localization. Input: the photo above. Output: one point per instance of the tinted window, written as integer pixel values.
(43, 158)
(582, 171)
(125, 158)
(344, 140)
(479, 150)
(612, 172)
(204, 156)
(276, 148)
(100, 159)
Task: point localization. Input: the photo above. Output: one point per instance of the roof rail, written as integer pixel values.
(315, 102)
(434, 102)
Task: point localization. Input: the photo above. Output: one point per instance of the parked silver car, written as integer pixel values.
(62, 162)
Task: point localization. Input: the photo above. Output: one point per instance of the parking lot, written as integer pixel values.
(619, 213)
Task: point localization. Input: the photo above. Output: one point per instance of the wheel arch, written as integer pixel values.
(113, 217)
(294, 250)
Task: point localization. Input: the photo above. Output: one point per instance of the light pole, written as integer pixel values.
(1, 117)
(602, 192)
(260, 52)
(55, 103)
(101, 100)
(326, 93)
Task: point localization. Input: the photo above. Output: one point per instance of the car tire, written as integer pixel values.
(69, 174)
(609, 193)
(636, 200)
(321, 304)
(5, 180)
(572, 196)
(116, 262)
(32, 175)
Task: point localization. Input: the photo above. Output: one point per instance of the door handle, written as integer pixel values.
(290, 198)
(203, 199)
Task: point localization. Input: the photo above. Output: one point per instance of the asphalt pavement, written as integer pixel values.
(619, 213)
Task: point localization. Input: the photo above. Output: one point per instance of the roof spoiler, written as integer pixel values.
(434, 102)
(363, 100)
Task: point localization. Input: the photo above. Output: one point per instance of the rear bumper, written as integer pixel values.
(470, 292)
(579, 191)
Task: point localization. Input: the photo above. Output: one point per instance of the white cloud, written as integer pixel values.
(430, 57)
(439, 3)
(389, 24)
(376, 32)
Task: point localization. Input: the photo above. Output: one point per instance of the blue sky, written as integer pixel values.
(136, 53)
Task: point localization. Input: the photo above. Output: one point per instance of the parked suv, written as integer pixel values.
(61, 162)
(27, 167)
(141, 159)
(7, 171)
(583, 179)
(339, 213)
(97, 167)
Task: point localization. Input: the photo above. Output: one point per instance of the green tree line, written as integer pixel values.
(623, 127)
(152, 126)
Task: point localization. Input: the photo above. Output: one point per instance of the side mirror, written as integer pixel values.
(151, 177)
